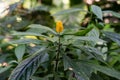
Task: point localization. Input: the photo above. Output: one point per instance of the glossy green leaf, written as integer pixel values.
(94, 34)
(113, 36)
(28, 66)
(5, 69)
(71, 65)
(93, 52)
(28, 34)
(36, 30)
(106, 70)
(89, 38)
(97, 11)
(83, 32)
(92, 37)
(25, 41)
(52, 39)
(38, 26)
(19, 52)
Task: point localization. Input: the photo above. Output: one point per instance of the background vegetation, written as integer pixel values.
(87, 49)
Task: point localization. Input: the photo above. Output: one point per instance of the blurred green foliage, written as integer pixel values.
(88, 48)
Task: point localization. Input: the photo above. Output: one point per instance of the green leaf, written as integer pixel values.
(113, 13)
(25, 41)
(42, 27)
(94, 34)
(89, 38)
(27, 67)
(97, 11)
(31, 34)
(68, 11)
(92, 37)
(36, 30)
(108, 71)
(83, 32)
(69, 64)
(19, 52)
(93, 52)
(113, 36)
(5, 69)
(28, 33)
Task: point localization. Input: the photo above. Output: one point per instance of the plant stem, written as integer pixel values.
(58, 54)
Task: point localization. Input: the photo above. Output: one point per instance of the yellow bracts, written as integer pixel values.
(59, 26)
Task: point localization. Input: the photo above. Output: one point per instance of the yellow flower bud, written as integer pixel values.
(59, 26)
